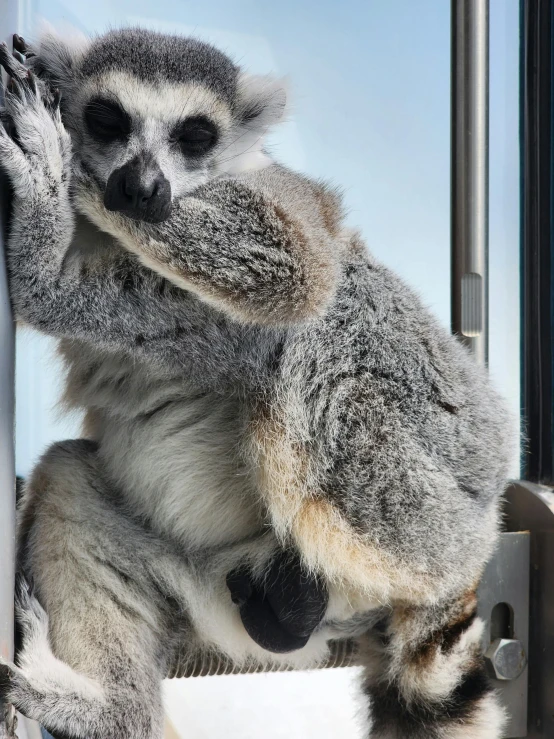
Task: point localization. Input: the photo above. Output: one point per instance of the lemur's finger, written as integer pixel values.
(31, 82)
(12, 66)
(6, 124)
(19, 44)
(23, 84)
(12, 158)
(20, 58)
(23, 90)
(16, 89)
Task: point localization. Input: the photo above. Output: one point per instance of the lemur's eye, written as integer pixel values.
(195, 135)
(106, 120)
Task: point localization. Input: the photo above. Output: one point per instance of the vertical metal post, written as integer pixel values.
(469, 184)
(8, 22)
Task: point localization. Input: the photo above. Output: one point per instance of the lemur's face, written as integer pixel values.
(150, 143)
(154, 116)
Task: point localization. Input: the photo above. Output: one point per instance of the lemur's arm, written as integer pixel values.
(258, 247)
(231, 245)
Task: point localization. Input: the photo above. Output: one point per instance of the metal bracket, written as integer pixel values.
(516, 600)
(504, 606)
(531, 507)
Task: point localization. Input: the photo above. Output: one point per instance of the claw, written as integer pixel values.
(19, 43)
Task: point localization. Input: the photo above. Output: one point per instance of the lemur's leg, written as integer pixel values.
(120, 601)
(426, 677)
(92, 668)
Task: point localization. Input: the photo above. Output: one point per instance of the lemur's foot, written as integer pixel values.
(13, 685)
(280, 613)
(8, 721)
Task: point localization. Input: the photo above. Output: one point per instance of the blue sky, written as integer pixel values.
(370, 91)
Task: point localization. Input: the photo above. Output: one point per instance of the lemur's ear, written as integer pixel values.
(57, 55)
(262, 100)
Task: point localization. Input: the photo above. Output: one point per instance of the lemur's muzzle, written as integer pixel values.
(140, 191)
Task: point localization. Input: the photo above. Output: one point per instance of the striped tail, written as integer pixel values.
(426, 679)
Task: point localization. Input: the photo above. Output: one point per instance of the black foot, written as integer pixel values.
(281, 613)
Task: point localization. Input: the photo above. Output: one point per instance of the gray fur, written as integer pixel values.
(253, 379)
(155, 56)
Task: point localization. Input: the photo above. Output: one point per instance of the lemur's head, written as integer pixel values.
(154, 116)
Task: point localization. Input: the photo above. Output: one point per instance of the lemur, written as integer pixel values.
(282, 446)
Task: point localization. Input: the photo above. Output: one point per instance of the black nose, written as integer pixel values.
(139, 190)
(139, 193)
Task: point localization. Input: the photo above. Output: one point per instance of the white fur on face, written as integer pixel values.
(168, 101)
(155, 110)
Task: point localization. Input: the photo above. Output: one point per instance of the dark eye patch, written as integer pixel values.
(106, 120)
(195, 135)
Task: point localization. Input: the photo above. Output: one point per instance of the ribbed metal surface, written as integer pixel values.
(342, 654)
(472, 304)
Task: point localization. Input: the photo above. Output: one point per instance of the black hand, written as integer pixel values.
(281, 613)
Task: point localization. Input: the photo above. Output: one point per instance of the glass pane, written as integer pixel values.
(370, 90)
(504, 202)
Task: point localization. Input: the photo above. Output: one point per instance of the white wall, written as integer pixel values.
(322, 704)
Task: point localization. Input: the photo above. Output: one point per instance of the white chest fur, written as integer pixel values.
(181, 467)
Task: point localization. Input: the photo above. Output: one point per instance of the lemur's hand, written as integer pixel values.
(35, 148)
(281, 613)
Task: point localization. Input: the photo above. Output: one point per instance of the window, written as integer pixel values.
(370, 90)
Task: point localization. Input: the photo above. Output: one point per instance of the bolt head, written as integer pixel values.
(505, 659)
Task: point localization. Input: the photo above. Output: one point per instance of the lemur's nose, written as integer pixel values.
(139, 190)
(139, 193)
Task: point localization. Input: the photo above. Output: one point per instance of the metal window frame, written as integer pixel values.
(9, 15)
(537, 200)
(12, 19)
(530, 505)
